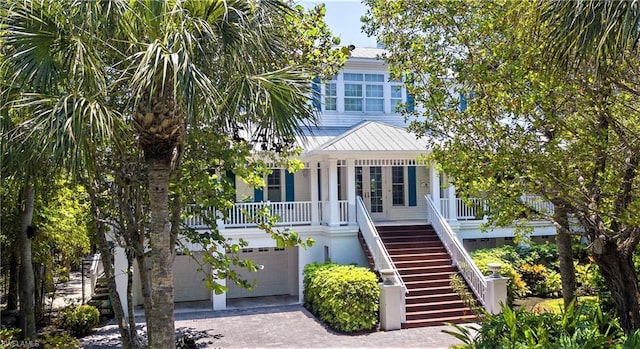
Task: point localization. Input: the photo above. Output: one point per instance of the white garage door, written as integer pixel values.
(272, 280)
(188, 281)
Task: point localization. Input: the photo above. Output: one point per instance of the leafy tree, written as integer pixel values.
(566, 136)
(156, 71)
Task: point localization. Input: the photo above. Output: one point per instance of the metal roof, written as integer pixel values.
(368, 136)
(367, 52)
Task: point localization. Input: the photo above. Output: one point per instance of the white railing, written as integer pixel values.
(444, 208)
(471, 211)
(343, 209)
(95, 269)
(248, 213)
(459, 255)
(538, 204)
(381, 258)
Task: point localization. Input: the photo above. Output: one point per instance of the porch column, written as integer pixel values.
(219, 301)
(324, 192)
(453, 203)
(313, 188)
(351, 190)
(334, 213)
(434, 187)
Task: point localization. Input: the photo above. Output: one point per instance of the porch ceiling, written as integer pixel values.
(367, 136)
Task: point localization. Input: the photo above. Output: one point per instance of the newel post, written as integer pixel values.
(496, 292)
(391, 301)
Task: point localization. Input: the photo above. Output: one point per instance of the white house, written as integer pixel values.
(360, 163)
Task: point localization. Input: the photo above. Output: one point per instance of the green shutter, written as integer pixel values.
(289, 187)
(411, 178)
(258, 195)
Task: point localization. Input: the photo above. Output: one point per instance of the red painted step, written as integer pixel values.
(426, 269)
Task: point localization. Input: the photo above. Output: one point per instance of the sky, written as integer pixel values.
(343, 17)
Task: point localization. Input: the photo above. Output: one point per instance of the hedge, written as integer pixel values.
(345, 297)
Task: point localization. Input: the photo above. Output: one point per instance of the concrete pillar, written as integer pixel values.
(351, 190)
(391, 306)
(313, 188)
(496, 294)
(219, 301)
(334, 207)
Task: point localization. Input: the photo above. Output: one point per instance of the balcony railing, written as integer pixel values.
(476, 208)
(248, 214)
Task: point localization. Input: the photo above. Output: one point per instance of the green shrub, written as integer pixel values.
(343, 297)
(80, 320)
(58, 341)
(577, 327)
(311, 290)
(9, 334)
(516, 287)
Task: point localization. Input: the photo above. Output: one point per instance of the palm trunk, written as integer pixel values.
(160, 318)
(616, 266)
(27, 280)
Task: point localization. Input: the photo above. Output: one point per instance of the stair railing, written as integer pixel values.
(474, 277)
(381, 257)
(95, 270)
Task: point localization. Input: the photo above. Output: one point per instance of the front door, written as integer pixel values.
(370, 185)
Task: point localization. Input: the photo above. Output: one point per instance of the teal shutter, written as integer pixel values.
(231, 177)
(258, 195)
(289, 187)
(463, 103)
(411, 103)
(411, 178)
(317, 94)
(319, 186)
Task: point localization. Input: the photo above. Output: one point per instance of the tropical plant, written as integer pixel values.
(153, 71)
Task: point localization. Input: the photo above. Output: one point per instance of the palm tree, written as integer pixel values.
(98, 70)
(595, 31)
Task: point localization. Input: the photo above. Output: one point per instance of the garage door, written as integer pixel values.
(188, 281)
(272, 279)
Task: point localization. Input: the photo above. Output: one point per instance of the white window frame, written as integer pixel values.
(389, 102)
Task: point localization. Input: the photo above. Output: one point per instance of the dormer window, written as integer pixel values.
(355, 92)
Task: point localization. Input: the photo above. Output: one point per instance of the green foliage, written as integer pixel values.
(9, 334)
(577, 327)
(58, 341)
(344, 297)
(80, 320)
(516, 287)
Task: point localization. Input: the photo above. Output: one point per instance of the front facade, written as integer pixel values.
(360, 152)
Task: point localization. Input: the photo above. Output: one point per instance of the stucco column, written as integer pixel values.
(334, 212)
(324, 192)
(313, 189)
(351, 190)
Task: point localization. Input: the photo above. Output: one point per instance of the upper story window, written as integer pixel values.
(361, 92)
(331, 94)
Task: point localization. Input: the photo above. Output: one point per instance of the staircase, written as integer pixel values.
(100, 298)
(426, 269)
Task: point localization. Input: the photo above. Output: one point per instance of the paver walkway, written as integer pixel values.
(278, 327)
